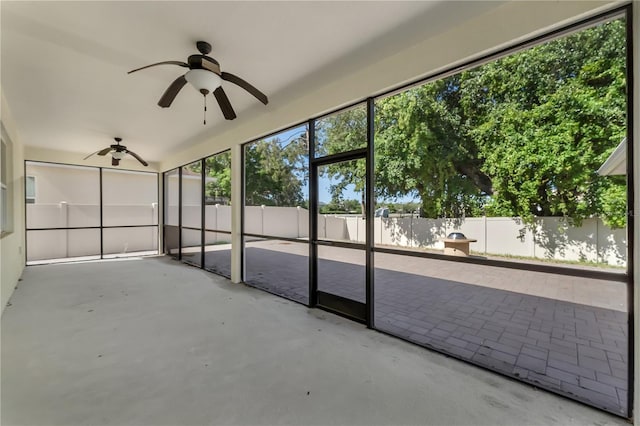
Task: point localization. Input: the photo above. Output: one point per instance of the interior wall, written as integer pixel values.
(12, 258)
(488, 32)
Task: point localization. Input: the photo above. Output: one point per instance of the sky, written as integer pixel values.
(324, 182)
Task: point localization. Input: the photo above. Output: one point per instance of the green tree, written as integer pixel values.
(338, 133)
(422, 146)
(218, 181)
(545, 119)
(520, 136)
(275, 172)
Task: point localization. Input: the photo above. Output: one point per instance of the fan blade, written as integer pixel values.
(179, 63)
(172, 91)
(137, 157)
(90, 155)
(210, 65)
(105, 151)
(246, 86)
(114, 161)
(225, 105)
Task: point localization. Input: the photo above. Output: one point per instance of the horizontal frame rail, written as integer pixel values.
(355, 154)
(71, 228)
(342, 244)
(274, 237)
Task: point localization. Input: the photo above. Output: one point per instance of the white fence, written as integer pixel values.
(61, 243)
(61, 215)
(550, 238)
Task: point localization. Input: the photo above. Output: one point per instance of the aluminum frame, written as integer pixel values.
(101, 227)
(622, 11)
(203, 229)
(340, 305)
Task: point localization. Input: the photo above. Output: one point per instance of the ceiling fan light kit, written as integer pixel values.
(203, 80)
(205, 76)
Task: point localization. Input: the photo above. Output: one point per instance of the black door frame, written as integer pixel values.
(357, 311)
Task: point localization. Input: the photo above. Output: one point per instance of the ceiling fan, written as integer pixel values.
(117, 153)
(205, 76)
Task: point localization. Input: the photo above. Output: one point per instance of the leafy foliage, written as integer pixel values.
(218, 170)
(520, 136)
(276, 172)
(545, 130)
(342, 132)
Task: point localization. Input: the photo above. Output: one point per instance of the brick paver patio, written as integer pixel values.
(570, 348)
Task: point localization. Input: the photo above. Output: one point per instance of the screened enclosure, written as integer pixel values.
(460, 213)
(81, 213)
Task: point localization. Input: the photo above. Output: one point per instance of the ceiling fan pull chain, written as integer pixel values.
(205, 109)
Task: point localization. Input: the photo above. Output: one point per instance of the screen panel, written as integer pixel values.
(280, 267)
(191, 208)
(68, 244)
(122, 242)
(65, 196)
(129, 198)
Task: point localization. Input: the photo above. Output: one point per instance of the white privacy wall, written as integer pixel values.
(129, 198)
(56, 183)
(69, 196)
(217, 217)
(549, 238)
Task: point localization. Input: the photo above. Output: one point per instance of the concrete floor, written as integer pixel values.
(156, 342)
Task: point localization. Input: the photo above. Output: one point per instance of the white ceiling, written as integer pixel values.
(64, 64)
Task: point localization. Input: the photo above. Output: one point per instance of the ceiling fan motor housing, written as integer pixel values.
(203, 47)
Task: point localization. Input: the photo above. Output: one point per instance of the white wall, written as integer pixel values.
(277, 221)
(217, 217)
(171, 188)
(129, 188)
(191, 190)
(550, 238)
(12, 245)
(72, 184)
(191, 200)
(56, 244)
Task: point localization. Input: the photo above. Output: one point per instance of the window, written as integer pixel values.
(6, 193)
(30, 190)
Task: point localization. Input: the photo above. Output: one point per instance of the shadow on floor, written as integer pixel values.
(575, 350)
